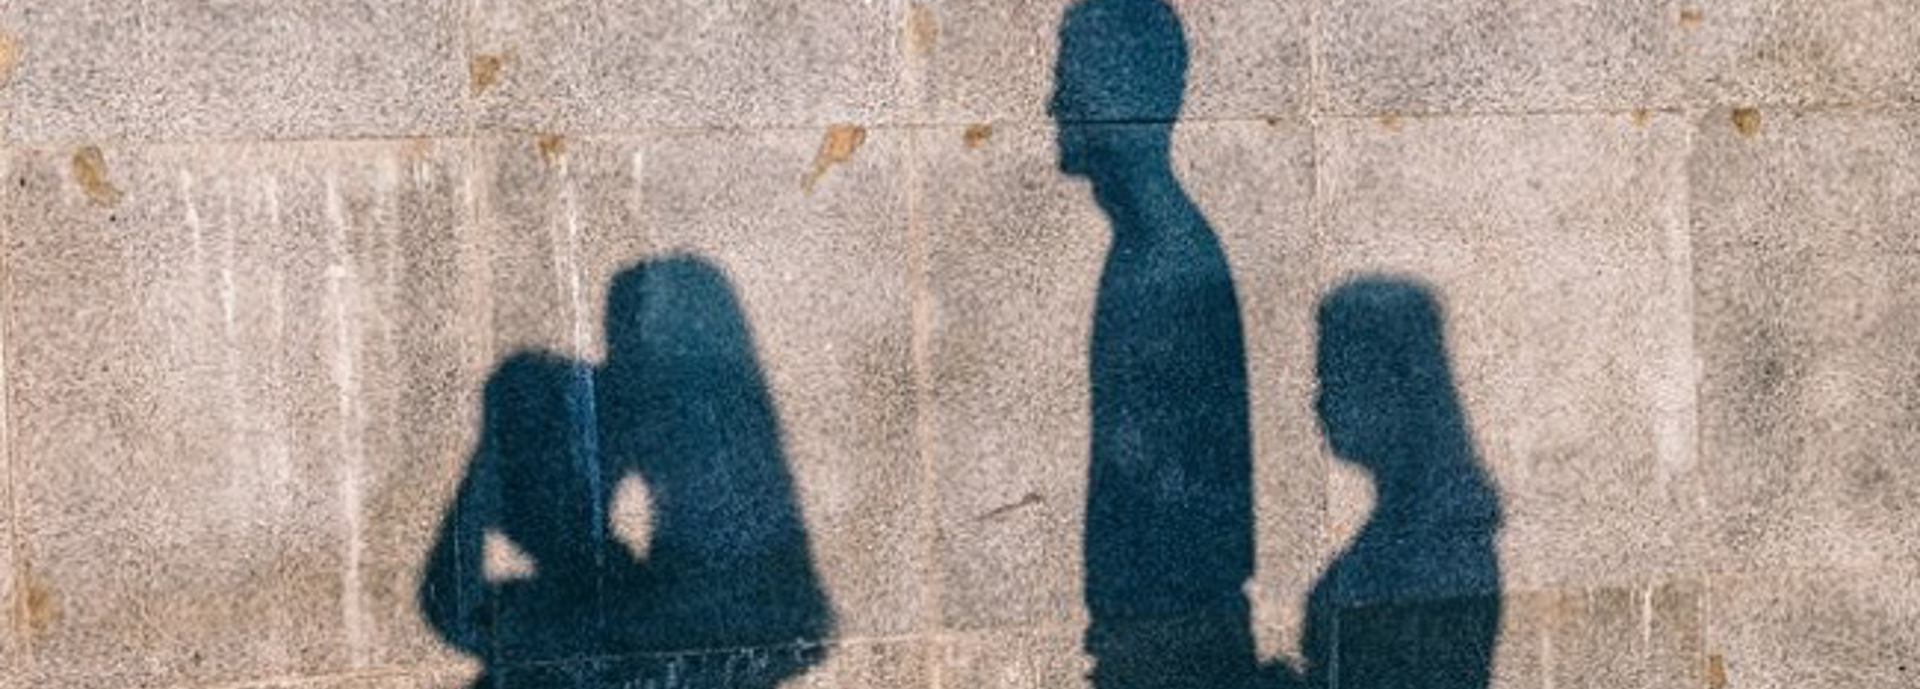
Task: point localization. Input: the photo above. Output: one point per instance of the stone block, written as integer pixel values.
(1555, 248)
(220, 350)
(1839, 629)
(94, 70)
(995, 63)
(1802, 52)
(1828, 183)
(1806, 263)
(1015, 659)
(1016, 255)
(1468, 56)
(1646, 635)
(619, 65)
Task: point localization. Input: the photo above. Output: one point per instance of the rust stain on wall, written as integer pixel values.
(90, 171)
(1641, 116)
(483, 71)
(1391, 122)
(838, 147)
(552, 147)
(977, 135)
(42, 607)
(1691, 17)
(1716, 672)
(9, 56)
(923, 29)
(1747, 121)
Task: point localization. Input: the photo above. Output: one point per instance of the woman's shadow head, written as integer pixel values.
(1118, 82)
(675, 315)
(1387, 398)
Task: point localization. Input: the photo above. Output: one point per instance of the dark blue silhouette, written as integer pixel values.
(1169, 524)
(1414, 600)
(1169, 520)
(679, 403)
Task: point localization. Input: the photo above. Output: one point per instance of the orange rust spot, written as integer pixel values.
(90, 171)
(552, 147)
(483, 71)
(41, 606)
(417, 147)
(1641, 116)
(977, 135)
(1716, 672)
(923, 29)
(1692, 16)
(1747, 121)
(1391, 122)
(9, 56)
(837, 147)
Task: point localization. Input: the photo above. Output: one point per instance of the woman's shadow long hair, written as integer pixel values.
(1414, 599)
(679, 404)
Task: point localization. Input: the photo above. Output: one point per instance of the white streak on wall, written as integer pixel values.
(581, 396)
(342, 303)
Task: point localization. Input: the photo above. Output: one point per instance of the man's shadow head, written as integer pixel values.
(1118, 83)
(1387, 396)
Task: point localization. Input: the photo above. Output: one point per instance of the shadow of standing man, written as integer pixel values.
(1169, 521)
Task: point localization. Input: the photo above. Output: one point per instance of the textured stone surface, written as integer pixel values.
(1844, 629)
(1423, 56)
(1015, 659)
(11, 650)
(246, 343)
(234, 70)
(986, 63)
(1558, 249)
(599, 65)
(238, 309)
(1806, 274)
(1746, 52)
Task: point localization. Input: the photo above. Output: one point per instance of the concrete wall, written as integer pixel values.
(261, 259)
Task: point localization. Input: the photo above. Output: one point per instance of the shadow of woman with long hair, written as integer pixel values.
(1414, 600)
(681, 406)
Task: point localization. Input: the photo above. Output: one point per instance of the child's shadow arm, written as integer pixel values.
(1280, 673)
(454, 595)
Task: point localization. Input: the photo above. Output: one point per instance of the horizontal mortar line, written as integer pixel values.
(391, 671)
(1282, 116)
(1749, 575)
(282, 680)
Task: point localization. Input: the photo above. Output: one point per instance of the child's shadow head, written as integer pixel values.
(1386, 393)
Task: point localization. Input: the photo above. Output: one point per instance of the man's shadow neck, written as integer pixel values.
(1143, 197)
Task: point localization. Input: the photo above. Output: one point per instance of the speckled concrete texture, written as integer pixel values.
(289, 293)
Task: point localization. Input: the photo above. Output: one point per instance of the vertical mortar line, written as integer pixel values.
(1690, 117)
(478, 188)
(16, 540)
(1317, 236)
(912, 91)
(1316, 62)
(933, 635)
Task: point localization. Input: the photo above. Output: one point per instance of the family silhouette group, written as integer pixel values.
(680, 404)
